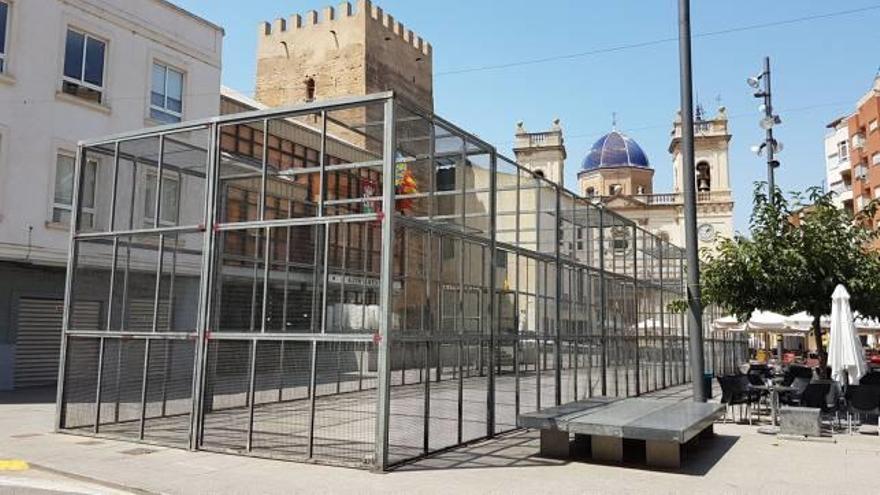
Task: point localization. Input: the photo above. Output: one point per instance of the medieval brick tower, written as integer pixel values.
(343, 52)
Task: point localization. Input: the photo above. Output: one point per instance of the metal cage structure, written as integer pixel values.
(354, 282)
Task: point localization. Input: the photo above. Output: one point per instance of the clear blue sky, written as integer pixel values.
(821, 67)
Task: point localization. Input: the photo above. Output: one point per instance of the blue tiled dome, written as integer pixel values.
(615, 150)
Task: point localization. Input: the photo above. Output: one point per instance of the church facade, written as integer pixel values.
(617, 173)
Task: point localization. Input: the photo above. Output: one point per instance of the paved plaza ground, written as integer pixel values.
(737, 460)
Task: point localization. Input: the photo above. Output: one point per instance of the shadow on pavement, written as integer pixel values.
(520, 449)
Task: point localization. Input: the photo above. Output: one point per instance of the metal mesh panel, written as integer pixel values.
(345, 406)
(121, 385)
(225, 409)
(410, 384)
(281, 397)
(169, 392)
(80, 383)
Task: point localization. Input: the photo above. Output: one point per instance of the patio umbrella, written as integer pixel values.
(728, 324)
(845, 351)
(802, 321)
(766, 321)
(866, 325)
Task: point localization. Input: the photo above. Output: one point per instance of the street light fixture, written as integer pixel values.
(768, 122)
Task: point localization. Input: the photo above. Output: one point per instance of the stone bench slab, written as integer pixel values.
(632, 418)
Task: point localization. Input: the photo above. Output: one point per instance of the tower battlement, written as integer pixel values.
(363, 10)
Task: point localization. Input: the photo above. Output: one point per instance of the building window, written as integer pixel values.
(872, 125)
(591, 191)
(614, 189)
(4, 29)
(84, 66)
(166, 97)
(500, 259)
(310, 89)
(445, 180)
(168, 206)
(842, 151)
(640, 190)
(62, 204)
(619, 240)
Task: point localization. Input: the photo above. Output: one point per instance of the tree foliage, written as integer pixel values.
(797, 251)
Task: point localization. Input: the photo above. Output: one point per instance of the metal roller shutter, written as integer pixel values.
(140, 316)
(39, 337)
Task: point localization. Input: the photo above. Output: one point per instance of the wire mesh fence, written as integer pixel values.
(355, 282)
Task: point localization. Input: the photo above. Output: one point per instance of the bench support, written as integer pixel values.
(607, 449)
(663, 454)
(555, 444)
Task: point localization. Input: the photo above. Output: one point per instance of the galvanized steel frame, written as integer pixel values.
(545, 253)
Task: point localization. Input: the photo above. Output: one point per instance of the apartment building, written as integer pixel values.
(71, 70)
(864, 147)
(838, 170)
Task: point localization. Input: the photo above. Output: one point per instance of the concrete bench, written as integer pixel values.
(606, 426)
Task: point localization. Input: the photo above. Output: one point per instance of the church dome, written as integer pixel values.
(615, 150)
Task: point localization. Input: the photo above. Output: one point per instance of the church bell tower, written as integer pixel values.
(714, 198)
(542, 152)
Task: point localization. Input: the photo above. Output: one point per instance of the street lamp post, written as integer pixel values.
(695, 305)
(770, 146)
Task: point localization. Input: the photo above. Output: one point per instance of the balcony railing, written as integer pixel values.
(678, 198)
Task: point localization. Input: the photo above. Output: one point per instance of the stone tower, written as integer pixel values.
(342, 52)
(542, 152)
(712, 169)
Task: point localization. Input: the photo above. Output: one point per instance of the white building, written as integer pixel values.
(71, 70)
(837, 165)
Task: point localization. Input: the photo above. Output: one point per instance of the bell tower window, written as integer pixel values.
(310, 89)
(704, 177)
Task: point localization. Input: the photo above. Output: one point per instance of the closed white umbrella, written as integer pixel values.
(845, 352)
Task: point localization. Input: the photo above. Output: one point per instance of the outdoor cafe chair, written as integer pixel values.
(825, 396)
(816, 396)
(735, 391)
(861, 399)
(793, 398)
(794, 372)
(870, 378)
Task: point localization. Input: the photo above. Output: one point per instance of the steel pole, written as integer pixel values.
(769, 143)
(770, 147)
(695, 309)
